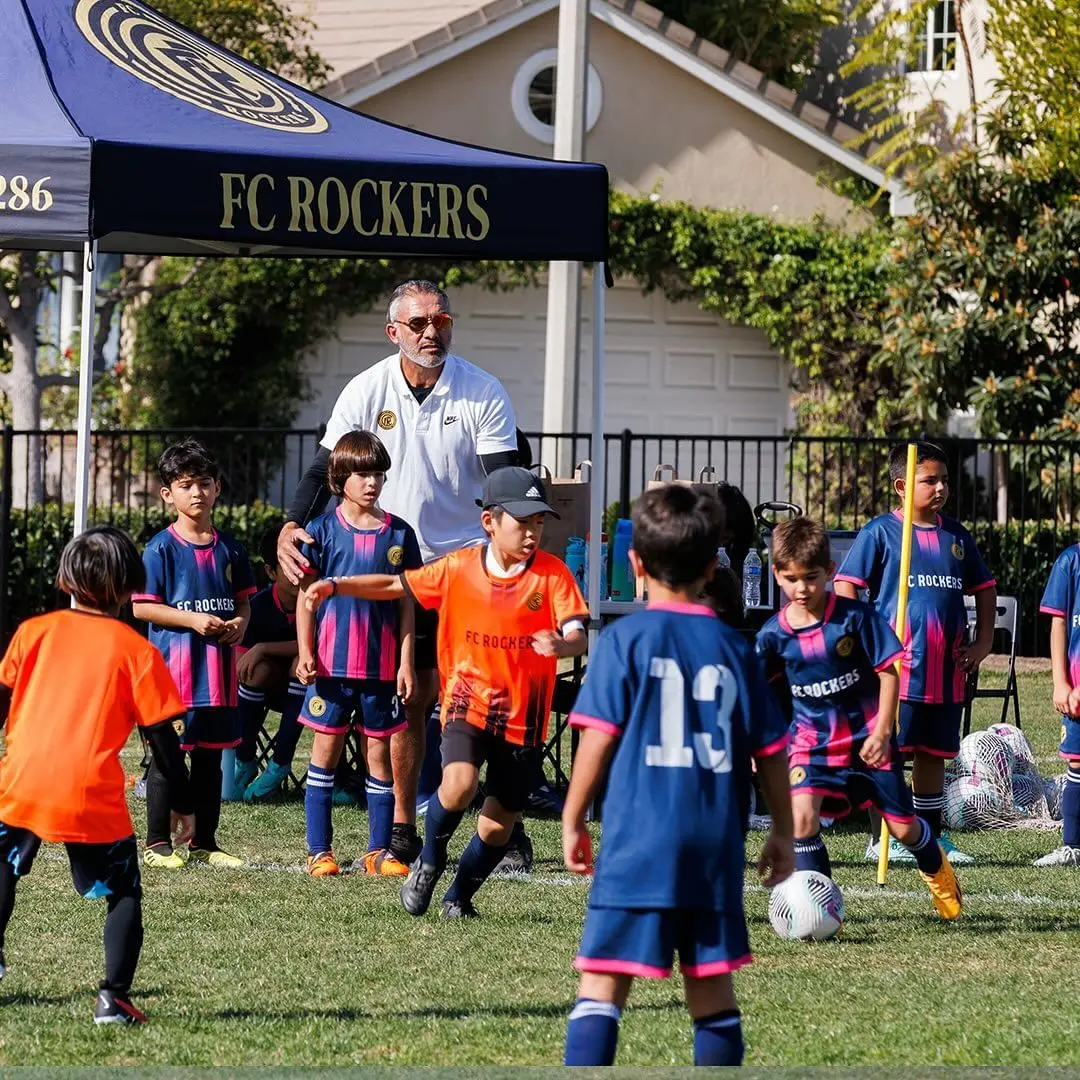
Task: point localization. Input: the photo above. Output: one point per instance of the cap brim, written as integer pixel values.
(522, 509)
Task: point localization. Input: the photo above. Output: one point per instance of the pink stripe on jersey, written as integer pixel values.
(838, 752)
(204, 559)
(774, 747)
(805, 740)
(934, 658)
(327, 635)
(360, 618)
(215, 683)
(1074, 670)
(388, 653)
(897, 656)
(180, 667)
(606, 726)
(905, 663)
(812, 643)
(989, 585)
(959, 679)
(1043, 610)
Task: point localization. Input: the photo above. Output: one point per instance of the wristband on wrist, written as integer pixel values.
(333, 584)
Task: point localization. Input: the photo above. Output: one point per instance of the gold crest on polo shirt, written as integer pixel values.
(387, 420)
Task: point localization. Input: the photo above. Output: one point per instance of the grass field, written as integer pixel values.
(268, 967)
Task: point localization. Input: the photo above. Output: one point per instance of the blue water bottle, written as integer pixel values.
(622, 574)
(576, 559)
(603, 566)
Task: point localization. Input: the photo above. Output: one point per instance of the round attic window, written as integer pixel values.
(533, 96)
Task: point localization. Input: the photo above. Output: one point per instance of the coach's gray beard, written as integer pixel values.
(422, 359)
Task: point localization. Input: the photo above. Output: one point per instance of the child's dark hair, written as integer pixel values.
(268, 544)
(924, 451)
(676, 533)
(800, 541)
(187, 458)
(355, 452)
(101, 568)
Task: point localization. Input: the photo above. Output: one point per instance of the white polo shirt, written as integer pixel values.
(435, 477)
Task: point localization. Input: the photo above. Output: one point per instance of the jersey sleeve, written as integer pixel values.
(977, 575)
(155, 591)
(566, 599)
(496, 427)
(766, 726)
(411, 557)
(429, 584)
(881, 644)
(9, 666)
(772, 664)
(606, 695)
(863, 563)
(1056, 596)
(153, 691)
(243, 579)
(312, 552)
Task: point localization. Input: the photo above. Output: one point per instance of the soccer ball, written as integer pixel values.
(1054, 788)
(806, 907)
(971, 803)
(1016, 741)
(987, 757)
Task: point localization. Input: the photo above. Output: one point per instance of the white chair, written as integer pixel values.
(1005, 621)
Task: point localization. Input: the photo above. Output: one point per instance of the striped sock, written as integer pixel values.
(810, 854)
(592, 1033)
(929, 808)
(380, 807)
(1070, 809)
(718, 1039)
(318, 803)
(925, 849)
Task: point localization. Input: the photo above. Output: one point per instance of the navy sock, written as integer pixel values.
(288, 732)
(440, 826)
(474, 868)
(251, 705)
(318, 804)
(380, 808)
(925, 849)
(592, 1033)
(718, 1039)
(810, 854)
(1070, 809)
(929, 808)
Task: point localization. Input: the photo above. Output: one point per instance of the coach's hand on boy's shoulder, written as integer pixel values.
(206, 625)
(182, 827)
(290, 560)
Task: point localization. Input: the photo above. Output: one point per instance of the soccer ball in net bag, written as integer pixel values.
(987, 757)
(1054, 788)
(806, 907)
(1028, 794)
(1016, 741)
(971, 803)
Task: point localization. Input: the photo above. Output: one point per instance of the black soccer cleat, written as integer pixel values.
(405, 844)
(518, 857)
(114, 1008)
(419, 886)
(459, 909)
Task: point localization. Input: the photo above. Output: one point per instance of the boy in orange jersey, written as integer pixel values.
(507, 612)
(61, 779)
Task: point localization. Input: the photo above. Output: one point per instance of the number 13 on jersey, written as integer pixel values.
(714, 685)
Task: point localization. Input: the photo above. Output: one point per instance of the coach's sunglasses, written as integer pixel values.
(419, 323)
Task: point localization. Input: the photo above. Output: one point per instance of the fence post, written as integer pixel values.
(625, 440)
(7, 472)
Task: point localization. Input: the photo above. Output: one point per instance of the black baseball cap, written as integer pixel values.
(517, 491)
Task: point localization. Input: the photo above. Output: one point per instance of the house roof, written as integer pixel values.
(372, 45)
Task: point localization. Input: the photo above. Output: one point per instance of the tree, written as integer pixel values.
(265, 32)
(778, 37)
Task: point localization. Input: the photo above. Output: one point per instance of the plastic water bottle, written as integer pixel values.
(603, 566)
(622, 574)
(751, 580)
(722, 560)
(577, 559)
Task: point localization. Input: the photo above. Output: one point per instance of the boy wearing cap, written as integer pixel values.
(507, 613)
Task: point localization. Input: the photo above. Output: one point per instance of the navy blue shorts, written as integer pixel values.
(855, 787)
(643, 942)
(1070, 739)
(933, 729)
(212, 727)
(372, 706)
(96, 869)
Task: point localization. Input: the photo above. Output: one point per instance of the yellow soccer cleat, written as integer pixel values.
(161, 859)
(323, 865)
(218, 859)
(383, 863)
(945, 889)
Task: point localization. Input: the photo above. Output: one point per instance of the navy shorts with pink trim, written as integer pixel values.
(1070, 739)
(333, 706)
(643, 942)
(855, 787)
(211, 727)
(933, 729)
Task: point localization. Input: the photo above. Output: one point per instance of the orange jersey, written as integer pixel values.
(491, 675)
(80, 683)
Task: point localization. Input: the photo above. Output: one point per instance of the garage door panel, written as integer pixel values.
(696, 369)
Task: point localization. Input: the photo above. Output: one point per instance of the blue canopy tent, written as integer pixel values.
(124, 132)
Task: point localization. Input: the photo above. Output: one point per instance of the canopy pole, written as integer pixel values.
(599, 463)
(86, 384)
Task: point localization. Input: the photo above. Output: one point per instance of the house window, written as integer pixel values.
(937, 51)
(532, 96)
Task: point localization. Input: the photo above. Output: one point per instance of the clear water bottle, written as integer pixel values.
(751, 580)
(722, 560)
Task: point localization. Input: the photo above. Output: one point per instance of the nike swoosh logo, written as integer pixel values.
(450, 420)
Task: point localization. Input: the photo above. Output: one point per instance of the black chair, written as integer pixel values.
(1005, 623)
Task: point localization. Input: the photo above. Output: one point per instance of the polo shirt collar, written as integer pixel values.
(441, 388)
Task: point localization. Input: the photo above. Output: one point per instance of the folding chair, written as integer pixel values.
(567, 685)
(1005, 622)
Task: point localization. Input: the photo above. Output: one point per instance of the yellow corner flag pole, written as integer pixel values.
(901, 618)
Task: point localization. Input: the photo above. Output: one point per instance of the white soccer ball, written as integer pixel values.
(1054, 788)
(806, 907)
(971, 803)
(1016, 741)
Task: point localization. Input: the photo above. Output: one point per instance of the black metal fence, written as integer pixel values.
(1020, 499)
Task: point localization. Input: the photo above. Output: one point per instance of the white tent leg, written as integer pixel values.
(599, 463)
(86, 385)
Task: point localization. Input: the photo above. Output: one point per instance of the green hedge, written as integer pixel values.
(37, 537)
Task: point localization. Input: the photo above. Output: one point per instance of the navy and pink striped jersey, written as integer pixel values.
(1062, 598)
(269, 622)
(945, 564)
(832, 669)
(686, 698)
(358, 639)
(205, 578)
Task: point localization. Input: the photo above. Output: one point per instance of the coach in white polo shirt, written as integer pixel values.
(446, 423)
